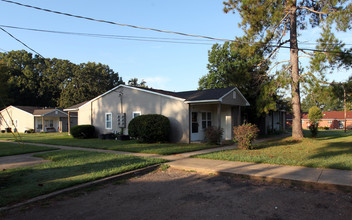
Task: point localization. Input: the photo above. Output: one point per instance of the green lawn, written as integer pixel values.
(7, 149)
(68, 168)
(129, 146)
(332, 149)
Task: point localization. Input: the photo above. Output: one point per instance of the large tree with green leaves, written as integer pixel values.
(236, 64)
(33, 80)
(274, 23)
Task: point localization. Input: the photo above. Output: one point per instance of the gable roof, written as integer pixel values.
(195, 96)
(36, 111)
(331, 115)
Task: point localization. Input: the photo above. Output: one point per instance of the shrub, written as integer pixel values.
(82, 131)
(245, 134)
(150, 128)
(213, 135)
(314, 116)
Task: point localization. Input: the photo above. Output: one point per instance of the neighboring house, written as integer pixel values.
(24, 118)
(331, 119)
(273, 122)
(189, 112)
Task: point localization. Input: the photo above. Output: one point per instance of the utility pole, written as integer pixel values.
(344, 99)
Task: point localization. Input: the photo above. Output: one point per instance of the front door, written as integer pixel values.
(195, 127)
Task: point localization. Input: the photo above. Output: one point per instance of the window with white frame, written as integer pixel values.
(39, 124)
(108, 121)
(206, 119)
(136, 114)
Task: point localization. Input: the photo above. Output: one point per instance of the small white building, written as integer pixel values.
(25, 118)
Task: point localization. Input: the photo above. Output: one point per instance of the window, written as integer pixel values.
(206, 119)
(136, 114)
(39, 124)
(51, 123)
(108, 121)
(234, 95)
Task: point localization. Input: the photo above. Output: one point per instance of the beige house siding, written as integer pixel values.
(84, 115)
(24, 119)
(134, 100)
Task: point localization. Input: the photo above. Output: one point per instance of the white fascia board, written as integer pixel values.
(70, 109)
(15, 108)
(203, 101)
(130, 87)
(55, 110)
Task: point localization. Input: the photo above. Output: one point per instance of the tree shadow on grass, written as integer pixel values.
(23, 183)
(287, 141)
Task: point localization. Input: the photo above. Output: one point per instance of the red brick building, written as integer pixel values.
(331, 119)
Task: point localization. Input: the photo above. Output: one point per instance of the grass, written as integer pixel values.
(331, 149)
(8, 149)
(129, 146)
(68, 168)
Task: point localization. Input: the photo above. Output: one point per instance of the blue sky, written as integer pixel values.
(169, 66)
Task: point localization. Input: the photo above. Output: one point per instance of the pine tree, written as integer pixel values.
(267, 23)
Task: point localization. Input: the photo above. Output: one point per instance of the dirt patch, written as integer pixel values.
(176, 194)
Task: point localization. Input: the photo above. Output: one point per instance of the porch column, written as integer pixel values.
(68, 123)
(189, 123)
(43, 123)
(219, 115)
(239, 116)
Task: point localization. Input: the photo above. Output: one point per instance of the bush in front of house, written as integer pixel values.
(82, 131)
(245, 135)
(150, 128)
(213, 135)
(314, 116)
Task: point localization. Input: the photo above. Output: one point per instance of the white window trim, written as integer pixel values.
(138, 112)
(110, 120)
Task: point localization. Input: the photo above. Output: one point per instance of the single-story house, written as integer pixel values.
(273, 122)
(25, 118)
(331, 120)
(189, 112)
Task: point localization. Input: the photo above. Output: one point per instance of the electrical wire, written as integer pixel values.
(20, 41)
(113, 23)
(119, 37)
(159, 30)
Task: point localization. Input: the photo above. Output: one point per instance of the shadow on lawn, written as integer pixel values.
(343, 150)
(275, 143)
(41, 179)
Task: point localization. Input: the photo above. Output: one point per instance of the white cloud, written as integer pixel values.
(158, 82)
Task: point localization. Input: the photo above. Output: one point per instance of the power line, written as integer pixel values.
(103, 35)
(163, 31)
(20, 42)
(120, 37)
(114, 23)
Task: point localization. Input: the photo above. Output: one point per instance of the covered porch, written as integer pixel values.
(218, 115)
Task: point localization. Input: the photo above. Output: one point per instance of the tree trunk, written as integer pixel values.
(297, 131)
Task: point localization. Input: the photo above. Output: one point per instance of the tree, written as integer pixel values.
(87, 81)
(36, 81)
(4, 88)
(314, 116)
(323, 96)
(267, 22)
(235, 64)
(134, 82)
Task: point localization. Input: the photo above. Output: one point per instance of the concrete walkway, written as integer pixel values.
(319, 176)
